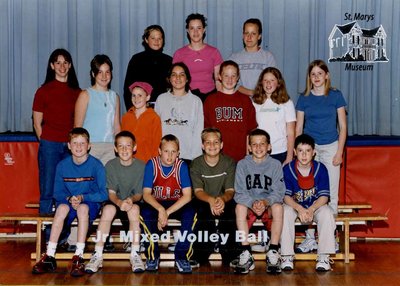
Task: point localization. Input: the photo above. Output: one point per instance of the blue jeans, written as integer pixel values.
(49, 155)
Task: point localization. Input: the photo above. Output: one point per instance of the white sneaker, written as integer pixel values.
(308, 245)
(337, 248)
(273, 261)
(171, 247)
(94, 264)
(287, 262)
(137, 263)
(245, 263)
(323, 262)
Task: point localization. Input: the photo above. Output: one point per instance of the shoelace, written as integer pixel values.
(136, 259)
(273, 257)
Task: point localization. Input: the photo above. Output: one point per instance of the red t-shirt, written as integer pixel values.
(56, 100)
(234, 115)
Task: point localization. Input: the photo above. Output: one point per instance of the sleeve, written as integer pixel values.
(278, 187)
(97, 192)
(157, 134)
(184, 176)
(137, 188)
(290, 113)
(300, 103)
(60, 193)
(230, 178)
(177, 57)
(340, 102)
(217, 58)
(38, 101)
(130, 77)
(242, 195)
(288, 178)
(198, 127)
(195, 175)
(322, 182)
(148, 175)
(111, 180)
(251, 120)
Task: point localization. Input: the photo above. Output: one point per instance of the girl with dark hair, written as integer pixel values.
(149, 66)
(97, 109)
(53, 118)
(202, 59)
(181, 112)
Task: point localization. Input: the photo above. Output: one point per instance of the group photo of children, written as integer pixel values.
(214, 143)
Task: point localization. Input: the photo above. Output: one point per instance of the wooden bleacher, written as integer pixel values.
(349, 214)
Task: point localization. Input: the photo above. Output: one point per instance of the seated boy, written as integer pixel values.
(213, 179)
(259, 187)
(306, 198)
(167, 192)
(124, 184)
(79, 190)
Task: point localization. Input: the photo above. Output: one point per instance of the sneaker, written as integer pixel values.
(128, 247)
(66, 247)
(152, 265)
(234, 263)
(171, 247)
(78, 267)
(245, 263)
(137, 263)
(287, 262)
(44, 265)
(323, 262)
(183, 266)
(94, 264)
(108, 246)
(308, 245)
(194, 263)
(273, 261)
(337, 248)
(259, 247)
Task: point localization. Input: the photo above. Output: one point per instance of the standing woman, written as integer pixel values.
(97, 109)
(53, 118)
(320, 113)
(202, 59)
(275, 113)
(150, 66)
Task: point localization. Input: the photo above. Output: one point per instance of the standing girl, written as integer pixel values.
(202, 59)
(97, 109)
(231, 112)
(53, 118)
(181, 112)
(321, 114)
(275, 113)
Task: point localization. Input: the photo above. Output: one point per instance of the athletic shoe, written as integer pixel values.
(44, 265)
(287, 262)
(245, 263)
(273, 262)
(78, 267)
(171, 247)
(259, 247)
(128, 247)
(183, 266)
(94, 264)
(152, 265)
(137, 263)
(323, 262)
(234, 263)
(194, 263)
(337, 248)
(308, 245)
(108, 246)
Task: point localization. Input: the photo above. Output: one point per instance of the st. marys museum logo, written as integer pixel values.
(351, 44)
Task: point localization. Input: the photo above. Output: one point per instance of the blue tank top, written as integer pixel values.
(100, 113)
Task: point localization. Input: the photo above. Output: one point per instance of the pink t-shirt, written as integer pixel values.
(201, 65)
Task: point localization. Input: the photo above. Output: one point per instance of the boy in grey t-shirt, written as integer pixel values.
(124, 184)
(259, 188)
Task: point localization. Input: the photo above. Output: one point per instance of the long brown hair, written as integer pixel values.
(279, 96)
(322, 65)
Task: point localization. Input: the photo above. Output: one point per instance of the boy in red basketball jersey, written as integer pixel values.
(167, 193)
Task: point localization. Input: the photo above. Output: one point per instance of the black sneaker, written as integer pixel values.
(78, 267)
(44, 265)
(273, 262)
(109, 246)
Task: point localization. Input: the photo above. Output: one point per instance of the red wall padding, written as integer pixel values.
(19, 181)
(373, 176)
